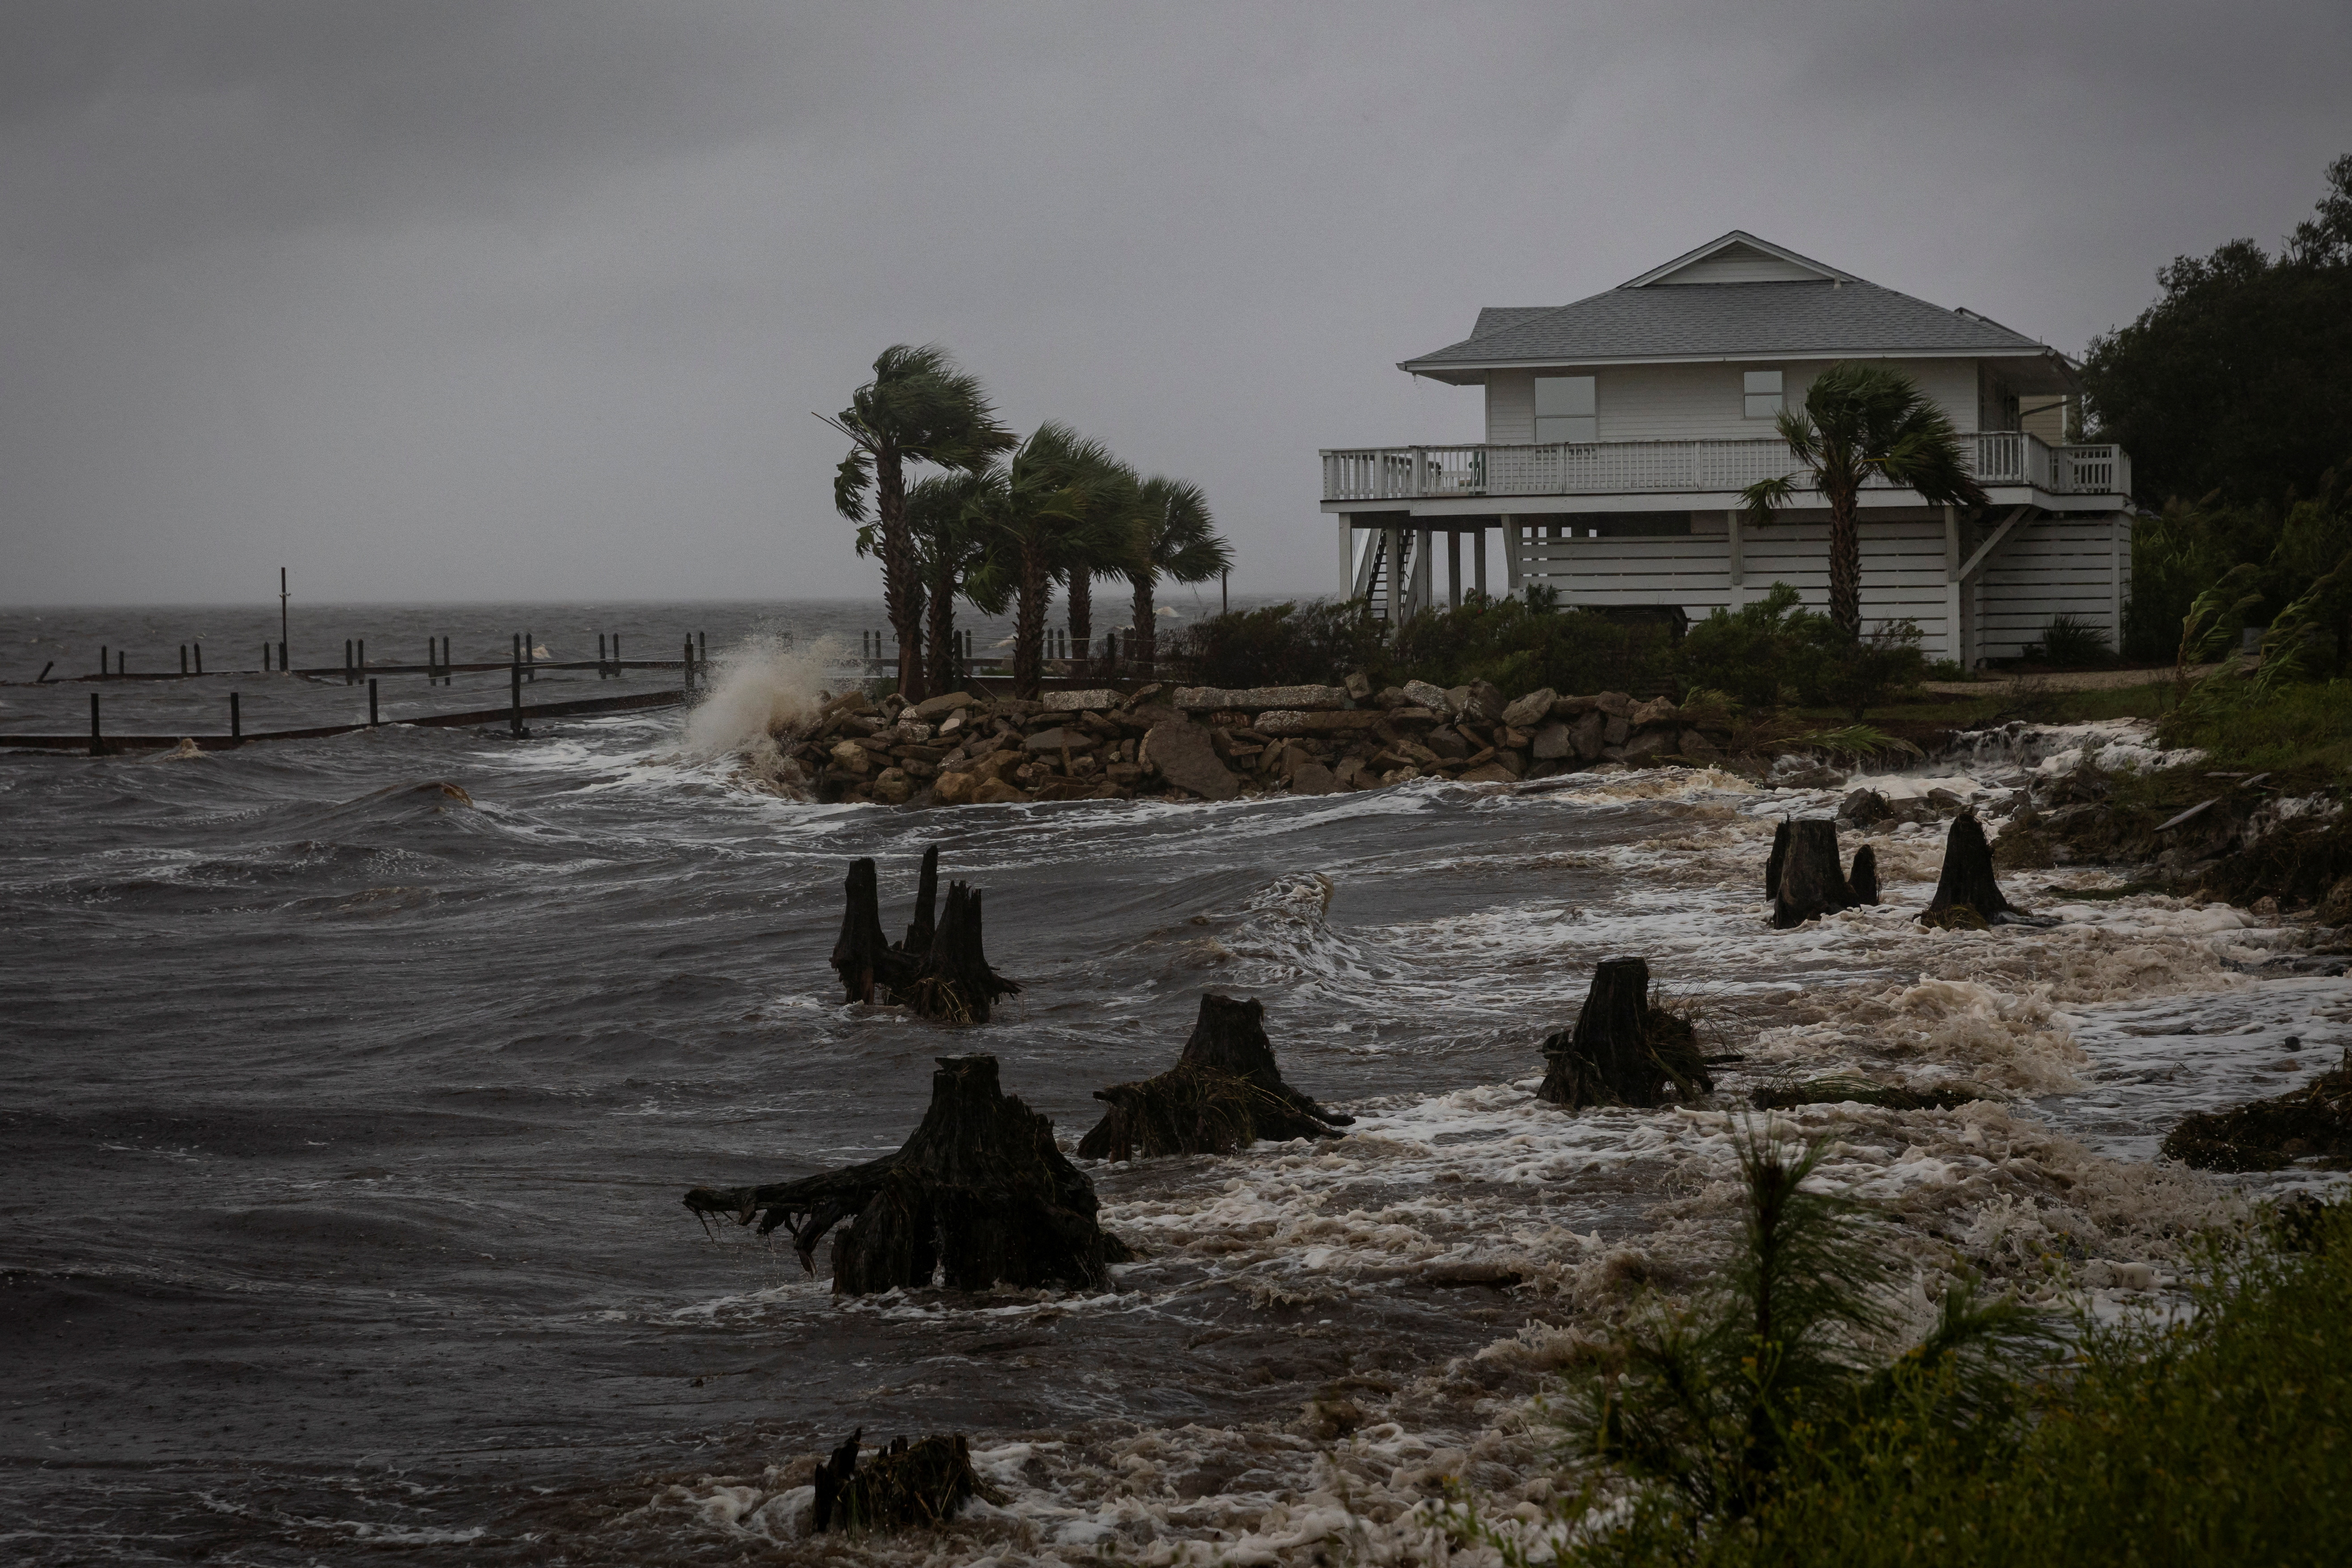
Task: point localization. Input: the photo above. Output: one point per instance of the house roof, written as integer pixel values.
(1794, 307)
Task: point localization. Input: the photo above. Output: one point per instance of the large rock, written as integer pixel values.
(1529, 711)
(932, 709)
(1590, 734)
(1285, 721)
(1657, 711)
(1422, 694)
(994, 792)
(1649, 744)
(1100, 701)
(1482, 701)
(1061, 737)
(1552, 742)
(893, 787)
(850, 757)
(1489, 772)
(1211, 699)
(1313, 778)
(1185, 758)
(954, 789)
(1616, 704)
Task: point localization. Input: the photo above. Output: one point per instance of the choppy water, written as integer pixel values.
(347, 1123)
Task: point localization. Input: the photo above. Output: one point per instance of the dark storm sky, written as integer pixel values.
(470, 299)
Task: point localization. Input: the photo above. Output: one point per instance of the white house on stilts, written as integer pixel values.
(1622, 428)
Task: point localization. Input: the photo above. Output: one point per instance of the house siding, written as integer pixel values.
(1700, 401)
(2079, 566)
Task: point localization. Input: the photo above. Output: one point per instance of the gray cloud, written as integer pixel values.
(477, 300)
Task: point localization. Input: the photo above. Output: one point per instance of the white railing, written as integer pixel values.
(2000, 458)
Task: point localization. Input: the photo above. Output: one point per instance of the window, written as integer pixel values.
(1762, 390)
(1565, 410)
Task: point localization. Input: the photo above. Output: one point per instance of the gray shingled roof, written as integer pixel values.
(1705, 320)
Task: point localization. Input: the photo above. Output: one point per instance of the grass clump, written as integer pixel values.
(1755, 1427)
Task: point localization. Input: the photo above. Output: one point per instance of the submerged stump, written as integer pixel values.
(978, 1197)
(1778, 861)
(861, 956)
(1864, 879)
(941, 971)
(905, 1486)
(952, 980)
(1624, 1049)
(1965, 894)
(1225, 1092)
(1812, 881)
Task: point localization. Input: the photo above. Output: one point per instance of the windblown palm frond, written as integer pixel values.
(1175, 538)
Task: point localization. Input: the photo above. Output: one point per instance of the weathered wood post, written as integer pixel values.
(347, 661)
(101, 661)
(97, 746)
(184, 660)
(445, 679)
(530, 655)
(200, 659)
(122, 661)
(602, 672)
(702, 649)
(687, 660)
(282, 665)
(265, 656)
(235, 720)
(514, 722)
(362, 663)
(370, 702)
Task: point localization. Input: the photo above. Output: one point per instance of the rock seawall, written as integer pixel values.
(1211, 743)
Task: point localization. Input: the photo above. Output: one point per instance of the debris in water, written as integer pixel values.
(2266, 1135)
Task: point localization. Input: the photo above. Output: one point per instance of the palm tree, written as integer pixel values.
(1863, 419)
(1175, 537)
(919, 407)
(948, 515)
(1061, 505)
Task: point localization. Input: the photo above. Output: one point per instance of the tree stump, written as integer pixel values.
(1772, 867)
(862, 955)
(1864, 879)
(1812, 881)
(1965, 894)
(953, 981)
(979, 1196)
(1624, 1049)
(941, 972)
(907, 1486)
(927, 898)
(1225, 1092)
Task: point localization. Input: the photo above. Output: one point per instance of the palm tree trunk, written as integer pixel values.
(901, 579)
(1142, 648)
(1029, 623)
(1845, 563)
(941, 672)
(1081, 614)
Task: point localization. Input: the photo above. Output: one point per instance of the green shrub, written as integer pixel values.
(1316, 644)
(1774, 650)
(1519, 644)
(1524, 643)
(2070, 643)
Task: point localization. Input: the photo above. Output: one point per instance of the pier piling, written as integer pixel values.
(97, 746)
(183, 659)
(371, 718)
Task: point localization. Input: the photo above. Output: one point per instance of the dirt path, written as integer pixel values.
(2063, 680)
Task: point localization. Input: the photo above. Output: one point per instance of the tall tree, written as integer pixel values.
(2238, 378)
(918, 408)
(1174, 536)
(1859, 420)
(949, 516)
(1061, 505)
